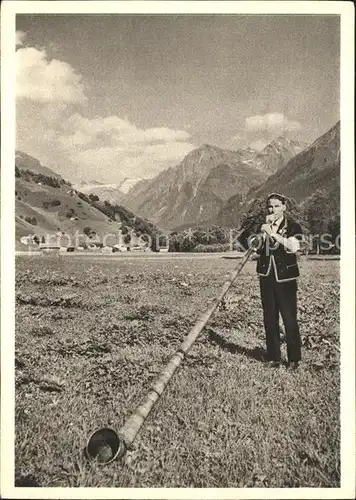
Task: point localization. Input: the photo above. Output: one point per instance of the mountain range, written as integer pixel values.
(196, 190)
(277, 153)
(316, 167)
(210, 186)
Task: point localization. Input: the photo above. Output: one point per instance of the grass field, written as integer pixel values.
(93, 333)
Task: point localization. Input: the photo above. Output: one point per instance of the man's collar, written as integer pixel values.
(279, 221)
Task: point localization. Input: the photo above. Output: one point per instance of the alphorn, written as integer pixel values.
(105, 445)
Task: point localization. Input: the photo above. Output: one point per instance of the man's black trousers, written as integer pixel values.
(280, 298)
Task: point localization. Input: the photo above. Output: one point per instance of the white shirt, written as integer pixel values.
(276, 224)
(295, 245)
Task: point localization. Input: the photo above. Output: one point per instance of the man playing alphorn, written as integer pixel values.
(278, 270)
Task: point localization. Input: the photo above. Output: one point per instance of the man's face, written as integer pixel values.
(276, 208)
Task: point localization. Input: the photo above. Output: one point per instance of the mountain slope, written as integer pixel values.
(276, 154)
(317, 167)
(42, 209)
(194, 190)
(127, 183)
(109, 192)
(46, 205)
(25, 161)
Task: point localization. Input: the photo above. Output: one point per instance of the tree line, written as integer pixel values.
(47, 180)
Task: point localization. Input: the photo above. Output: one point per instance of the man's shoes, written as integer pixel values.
(293, 365)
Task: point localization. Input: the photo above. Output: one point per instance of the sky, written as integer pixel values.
(103, 97)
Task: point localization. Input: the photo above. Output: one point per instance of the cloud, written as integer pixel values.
(41, 80)
(271, 122)
(20, 36)
(117, 144)
(102, 148)
(112, 130)
(52, 126)
(115, 163)
(259, 130)
(161, 134)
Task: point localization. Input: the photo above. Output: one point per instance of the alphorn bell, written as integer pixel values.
(105, 445)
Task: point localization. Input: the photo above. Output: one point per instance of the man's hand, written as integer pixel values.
(266, 228)
(270, 218)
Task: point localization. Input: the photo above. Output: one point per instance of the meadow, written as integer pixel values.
(92, 333)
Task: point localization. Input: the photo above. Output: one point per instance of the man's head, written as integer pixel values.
(276, 205)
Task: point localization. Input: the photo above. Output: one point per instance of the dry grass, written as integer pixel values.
(91, 336)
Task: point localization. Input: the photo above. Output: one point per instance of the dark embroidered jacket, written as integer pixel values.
(274, 257)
